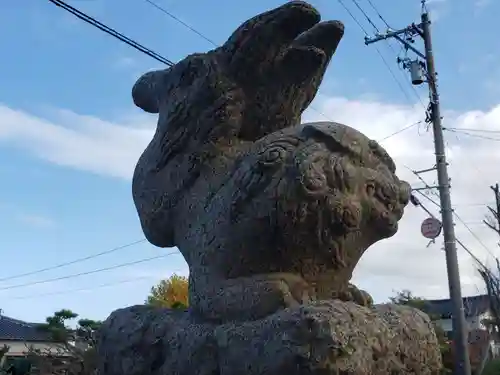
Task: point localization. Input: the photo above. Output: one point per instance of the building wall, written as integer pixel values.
(473, 323)
(19, 348)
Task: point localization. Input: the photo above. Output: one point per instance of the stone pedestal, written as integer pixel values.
(328, 337)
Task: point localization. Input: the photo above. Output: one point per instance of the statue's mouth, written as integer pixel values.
(388, 205)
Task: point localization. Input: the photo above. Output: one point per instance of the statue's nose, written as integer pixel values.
(146, 91)
(404, 193)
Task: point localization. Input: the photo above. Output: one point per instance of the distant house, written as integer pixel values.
(477, 312)
(19, 336)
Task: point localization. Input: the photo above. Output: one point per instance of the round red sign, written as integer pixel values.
(431, 228)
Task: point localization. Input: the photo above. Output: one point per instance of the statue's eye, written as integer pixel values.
(276, 152)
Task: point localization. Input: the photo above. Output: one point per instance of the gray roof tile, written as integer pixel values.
(14, 329)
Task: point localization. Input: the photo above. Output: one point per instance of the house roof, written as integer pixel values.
(14, 329)
(473, 306)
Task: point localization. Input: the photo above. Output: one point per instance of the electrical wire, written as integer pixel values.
(473, 130)
(472, 135)
(421, 205)
(400, 130)
(429, 188)
(378, 13)
(480, 174)
(177, 19)
(60, 265)
(366, 15)
(473, 234)
(110, 31)
(356, 3)
(70, 291)
(461, 221)
(398, 82)
(455, 214)
(200, 34)
(74, 275)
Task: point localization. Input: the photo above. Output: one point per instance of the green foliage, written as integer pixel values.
(406, 297)
(57, 326)
(78, 359)
(3, 351)
(492, 368)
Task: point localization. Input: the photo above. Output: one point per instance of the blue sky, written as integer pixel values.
(68, 125)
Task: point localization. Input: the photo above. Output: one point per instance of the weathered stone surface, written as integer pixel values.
(272, 217)
(330, 337)
(254, 200)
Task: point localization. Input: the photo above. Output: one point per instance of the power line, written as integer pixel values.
(387, 41)
(88, 272)
(472, 135)
(60, 265)
(200, 34)
(473, 234)
(174, 17)
(471, 204)
(366, 15)
(68, 291)
(398, 82)
(108, 30)
(458, 241)
(458, 218)
(474, 130)
(133, 43)
(378, 14)
(353, 17)
(400, 131)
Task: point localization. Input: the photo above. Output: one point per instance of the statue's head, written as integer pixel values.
(228, 149)
(320, 191)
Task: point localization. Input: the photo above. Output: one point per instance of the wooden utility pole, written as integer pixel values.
(422, 69)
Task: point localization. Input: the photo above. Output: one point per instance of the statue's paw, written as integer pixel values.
(293, 289)
(353, 294)
(359, 296)
(250, 298)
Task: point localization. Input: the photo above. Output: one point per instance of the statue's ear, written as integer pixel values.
(258, 40)
(324, 37)
(147, 90)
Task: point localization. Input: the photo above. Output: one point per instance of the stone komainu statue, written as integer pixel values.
(272, 217)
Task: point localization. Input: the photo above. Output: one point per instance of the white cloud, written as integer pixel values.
(404, 261)
(37, 221)
(78, 141)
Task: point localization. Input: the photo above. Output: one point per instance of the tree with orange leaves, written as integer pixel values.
(171, 293)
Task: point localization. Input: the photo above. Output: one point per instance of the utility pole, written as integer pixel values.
(422, 69)
(495, 211)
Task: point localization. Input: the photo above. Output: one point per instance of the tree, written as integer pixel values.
(491, 278)
(171, 293)
(73, 350)
(406, 297)
(3, 351)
